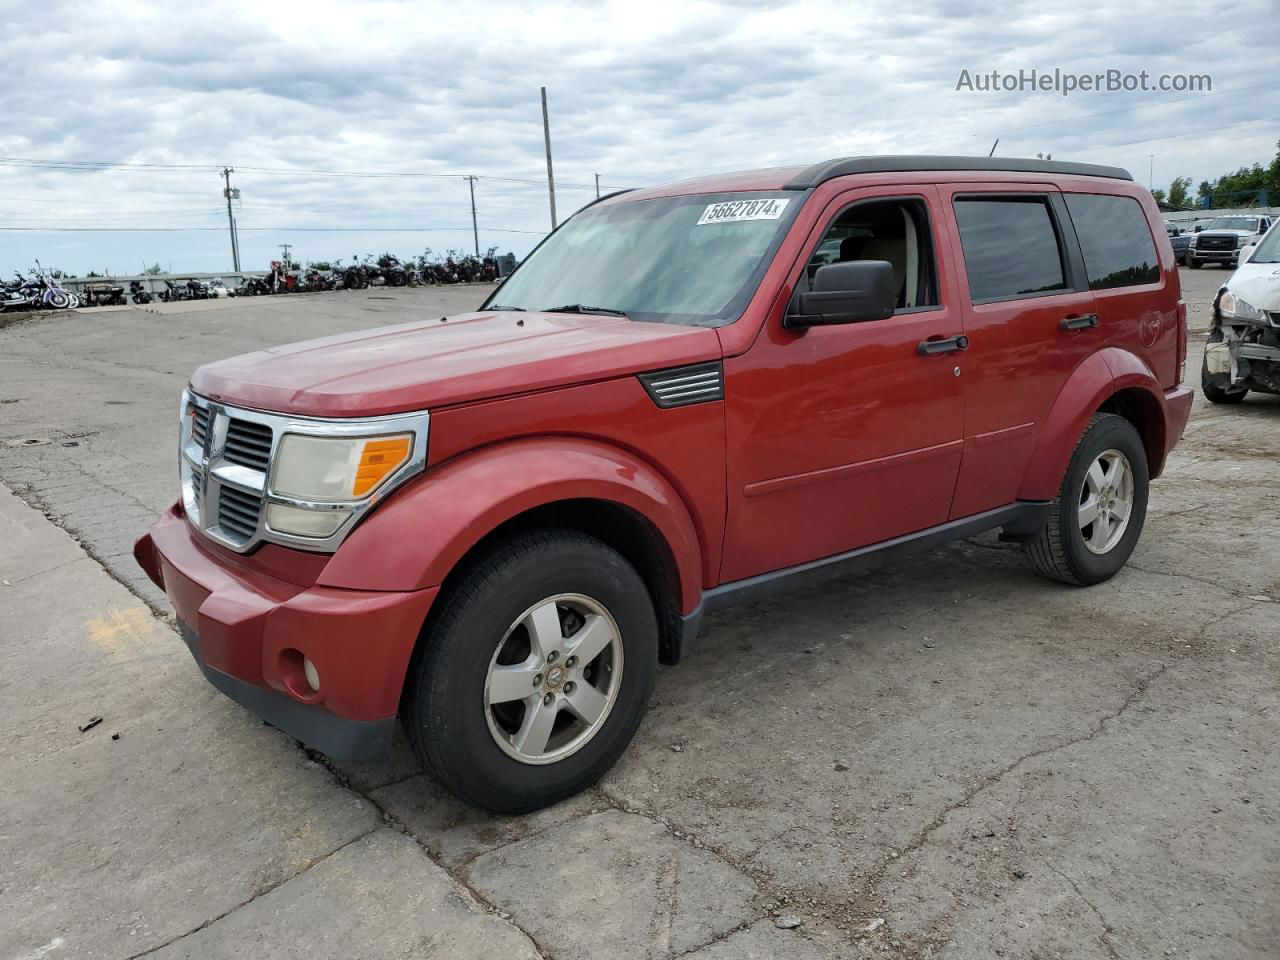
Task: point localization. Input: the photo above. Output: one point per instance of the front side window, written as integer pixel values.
(893, 230)
(692, 260)
(1010, 248)
(1115, 240)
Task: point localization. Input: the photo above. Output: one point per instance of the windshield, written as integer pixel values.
(692, 260)
(1233, 223)
(1268, 251)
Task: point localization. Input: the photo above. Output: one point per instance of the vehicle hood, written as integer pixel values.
(448, 360)
(1226, 233)
(1258, 284)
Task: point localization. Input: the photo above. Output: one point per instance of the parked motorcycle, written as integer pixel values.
(138, 293)
(103, 295)
(39, 291)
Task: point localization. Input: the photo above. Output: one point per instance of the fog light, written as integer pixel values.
(311, 673)
(317, 524)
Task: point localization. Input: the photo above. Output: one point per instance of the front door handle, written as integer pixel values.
(929, 347)
(1079, 323)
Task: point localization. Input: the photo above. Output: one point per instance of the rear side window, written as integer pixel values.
(1010, 247)
(1116, 242)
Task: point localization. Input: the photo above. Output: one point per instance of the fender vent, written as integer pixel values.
(682, 386)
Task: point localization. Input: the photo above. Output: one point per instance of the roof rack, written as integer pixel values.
(830, 169)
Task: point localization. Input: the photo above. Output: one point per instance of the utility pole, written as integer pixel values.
(475, 231)
(597, 186)
(1151, 171)
(546, 136)
(286, 247)
(231, 220)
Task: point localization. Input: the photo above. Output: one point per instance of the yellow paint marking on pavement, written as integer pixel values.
(121, 629)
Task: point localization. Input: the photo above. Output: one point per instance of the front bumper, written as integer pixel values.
(1215, 256)
(249, 631)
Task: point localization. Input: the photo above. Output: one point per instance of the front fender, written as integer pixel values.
(419, 535)
(1089, 386)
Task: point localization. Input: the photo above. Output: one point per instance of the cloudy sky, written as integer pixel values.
(407, 98)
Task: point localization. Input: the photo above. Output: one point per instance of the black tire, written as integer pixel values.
(1215, 393)
(1058, 550)
(444, 708)
(1193, 263)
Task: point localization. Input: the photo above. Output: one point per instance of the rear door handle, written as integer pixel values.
(1079, 323)
(928, 347)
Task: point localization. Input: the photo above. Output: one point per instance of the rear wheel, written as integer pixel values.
(533, 679)
(1097, 517)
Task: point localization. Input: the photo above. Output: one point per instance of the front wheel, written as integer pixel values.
(1193, 263)
(532, 680)
(1097, 517)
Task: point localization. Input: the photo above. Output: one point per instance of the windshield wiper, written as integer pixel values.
(583, 308)
(503, 306)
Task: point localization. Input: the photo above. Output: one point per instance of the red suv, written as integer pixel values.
(494, 526)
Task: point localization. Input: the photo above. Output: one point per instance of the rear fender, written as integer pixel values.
(414, 540)
(1090, 386)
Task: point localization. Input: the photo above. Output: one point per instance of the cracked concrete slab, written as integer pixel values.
(176, 806)
(764, 941)
(394, 904)
(615, 885)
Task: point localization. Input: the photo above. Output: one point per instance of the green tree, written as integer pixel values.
(154, 270)
(1179, 192)
(1158, 194)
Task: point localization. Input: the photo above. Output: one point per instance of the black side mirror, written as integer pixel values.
(1198, 228)
(855, 291)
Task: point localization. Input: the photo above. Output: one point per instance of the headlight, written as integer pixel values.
(1241, 241)
(328, 474)
(336, 468)
(1193, 240)
(1232, 306)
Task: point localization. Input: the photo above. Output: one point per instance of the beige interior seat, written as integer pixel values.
(893, 250)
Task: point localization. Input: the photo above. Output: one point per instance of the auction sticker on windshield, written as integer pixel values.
(736, 211)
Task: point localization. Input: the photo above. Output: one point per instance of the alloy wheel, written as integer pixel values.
(553, 679)
(1106, 501)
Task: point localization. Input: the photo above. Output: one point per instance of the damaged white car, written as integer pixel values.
(1243, 351)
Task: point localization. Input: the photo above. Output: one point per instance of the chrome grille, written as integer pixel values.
(248, 444)
(224, 464)
(238, 513)
(199, 425)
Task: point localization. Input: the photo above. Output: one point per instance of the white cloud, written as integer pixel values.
(639, 92)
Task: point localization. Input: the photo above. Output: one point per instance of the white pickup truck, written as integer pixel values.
(1223, 239)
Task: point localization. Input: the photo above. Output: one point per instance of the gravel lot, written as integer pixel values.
(948, 757)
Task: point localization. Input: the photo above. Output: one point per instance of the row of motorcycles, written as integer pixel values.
(387, 270)
(37, 291)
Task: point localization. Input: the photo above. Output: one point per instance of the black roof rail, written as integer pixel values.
(830, 169)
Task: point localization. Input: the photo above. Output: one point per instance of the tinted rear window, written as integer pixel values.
(1010, 248)
(1116, 242)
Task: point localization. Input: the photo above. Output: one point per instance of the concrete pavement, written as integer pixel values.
(945, 758)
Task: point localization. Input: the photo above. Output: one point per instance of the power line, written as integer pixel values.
(101, 165)
(288, 229)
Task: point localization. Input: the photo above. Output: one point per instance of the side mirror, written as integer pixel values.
(856, 291)
(1198, 228)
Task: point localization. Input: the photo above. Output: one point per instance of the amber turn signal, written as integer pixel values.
(378, 460)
